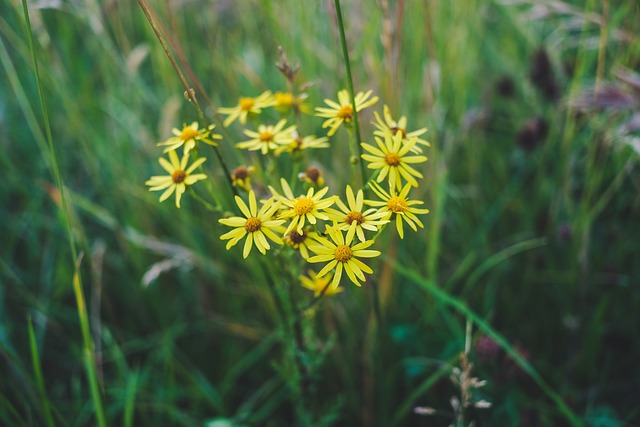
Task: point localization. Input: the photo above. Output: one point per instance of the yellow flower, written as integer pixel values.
(188, 137)
(319, 285)
(392, 160)
(301, 241)
(247, 106)
(268, 137)
(241, 177)
(308, 207)
(342, 111)
(355, 216)
(388, 126)
(255, 225)
(299, 144)
(398, 205)
(179, 176)
(283, 101)
(342, 255)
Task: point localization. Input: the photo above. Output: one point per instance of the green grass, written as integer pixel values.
(536, 247)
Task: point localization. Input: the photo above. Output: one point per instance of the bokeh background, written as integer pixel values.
(533, 181)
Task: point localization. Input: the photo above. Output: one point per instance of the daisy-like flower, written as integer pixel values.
(392, 158)
(255, 225)
(299, 144)
(398, 205)
(241, 177)
(388, 126)
(179, 176)
(342, 255)
(189, 136)
(355, 216)
(247, 106)
(301, 241)
(305, 208)
(319, 285)
(284, 101)
(268, 137)
(342, 111)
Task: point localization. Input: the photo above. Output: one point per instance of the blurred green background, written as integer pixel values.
(533, 110)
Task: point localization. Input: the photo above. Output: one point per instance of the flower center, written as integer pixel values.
(397, 204)
(396, 129)
(188, 133)
(266, 136)
(253, 224)
(392, 159)
(345, 112)
(240, 173)
(296, 144)
(178, 176)
(354, 216)
(303, 205)
(297, 238)
(313, 173)
(343, 253)
(246, 104)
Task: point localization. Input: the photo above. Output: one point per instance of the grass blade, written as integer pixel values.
(88, 356)
(37, 371)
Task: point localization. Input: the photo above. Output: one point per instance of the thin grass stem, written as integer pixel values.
(65, 209)
(47, 127)
(189, 92)
(356, 125)
(37, 371)
(89, 357)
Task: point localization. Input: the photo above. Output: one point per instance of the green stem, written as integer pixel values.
(356, 125)
(37, 371)
(206, 204)
(89, 358)
(292, 327)
(189, 92)
(47, 126)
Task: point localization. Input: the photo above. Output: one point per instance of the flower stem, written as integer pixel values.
(356, 125)
(189, 92)
(292, 328)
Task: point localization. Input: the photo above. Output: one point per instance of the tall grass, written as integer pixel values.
(537, 245)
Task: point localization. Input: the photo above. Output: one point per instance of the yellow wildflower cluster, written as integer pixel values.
(314, 222)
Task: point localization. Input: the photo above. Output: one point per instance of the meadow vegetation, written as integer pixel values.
(525, 274)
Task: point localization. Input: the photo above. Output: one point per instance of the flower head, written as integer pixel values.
(342, 255)
(255, 225)
(284, 101)
(247, 106)
(179, 176)
(321, 286)
(299, 144)
(355, 216)
(241, 177)
(189, 136)
(398, 205)
(304, 208)
(268, 137)
(388, 126)
(342, 111)
(312, 176)
(391, 157)
(301, 241)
